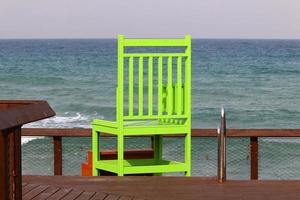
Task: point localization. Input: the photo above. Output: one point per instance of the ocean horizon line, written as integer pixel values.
(114, 38)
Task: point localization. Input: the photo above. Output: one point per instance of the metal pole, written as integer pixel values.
(222, 148)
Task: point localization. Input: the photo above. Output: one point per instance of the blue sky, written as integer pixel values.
(152, 18)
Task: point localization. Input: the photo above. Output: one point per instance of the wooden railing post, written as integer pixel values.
(10, 163)
(57, 149)
(254, 158)
(15, 170)
(4, 192)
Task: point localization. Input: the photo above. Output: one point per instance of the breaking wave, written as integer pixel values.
(76, 120)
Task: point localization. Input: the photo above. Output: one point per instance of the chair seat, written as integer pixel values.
(143, 127)
(136, 166)
(166, 122)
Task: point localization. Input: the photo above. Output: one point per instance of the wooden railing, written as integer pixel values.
(253, 134)
(13, 114)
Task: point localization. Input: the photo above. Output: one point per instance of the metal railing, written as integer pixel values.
(222, 148)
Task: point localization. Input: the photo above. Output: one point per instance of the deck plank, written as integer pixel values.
(72, 195)
(62, 192)
(126, 198)
(47, 193)
(85, 195)
(28, 187)
(112, 197)
(35, 192)
(99, 196)
(109, 188)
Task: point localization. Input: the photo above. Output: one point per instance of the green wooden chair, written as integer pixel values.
(153, 98)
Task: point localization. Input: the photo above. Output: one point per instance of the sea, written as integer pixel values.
(257, 81)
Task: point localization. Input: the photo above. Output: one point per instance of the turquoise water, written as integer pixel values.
(257, 81)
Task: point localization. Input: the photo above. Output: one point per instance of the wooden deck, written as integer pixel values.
(121, 188)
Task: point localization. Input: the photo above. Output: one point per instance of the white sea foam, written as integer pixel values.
(62, 122)
(77, 120)
(26, 139)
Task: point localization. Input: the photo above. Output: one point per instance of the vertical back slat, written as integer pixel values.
(185, 106)
(141, 86)
(160, 86)
(120, 88)
(130, 86)
(179, 86)
(169, 88)
(150, 86)
(187, 84)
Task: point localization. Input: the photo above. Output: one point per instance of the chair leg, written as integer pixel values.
(95, 151)
(187, 141)
(120, 155)
(158, 151)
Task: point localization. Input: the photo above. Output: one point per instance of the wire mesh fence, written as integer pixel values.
(204, 156)
(37, 156)
(238, 158)
(74, 152)
(278, 158)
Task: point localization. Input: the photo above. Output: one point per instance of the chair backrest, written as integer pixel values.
(154, 79)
